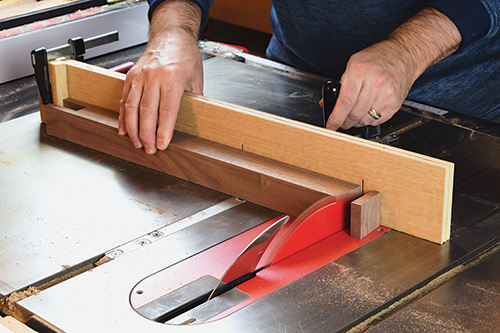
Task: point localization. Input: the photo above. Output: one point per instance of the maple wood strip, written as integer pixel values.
(417, 189)
(94, 85)
(365, 214)
(254, 178)
(59, 85)
(59, 81)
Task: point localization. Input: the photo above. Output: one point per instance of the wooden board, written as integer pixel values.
(258, 179)
(416, 190)
(12, 325)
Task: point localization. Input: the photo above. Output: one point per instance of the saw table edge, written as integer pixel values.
(416, 190)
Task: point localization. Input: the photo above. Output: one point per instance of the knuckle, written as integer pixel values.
(133, 76)
(391, 96)
(147, 108)
(355, 117)
(359, 67)
(165, 111)
(379, 79)
(129, 105)
(347, 101)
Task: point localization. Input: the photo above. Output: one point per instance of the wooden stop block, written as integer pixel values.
(365, 214)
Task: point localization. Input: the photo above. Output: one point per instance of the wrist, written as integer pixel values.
(181, 18)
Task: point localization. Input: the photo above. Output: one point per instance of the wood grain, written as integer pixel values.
(266, 182)
(59, 81)
(106, 92)
(10, 324)
(417, 189)
(365, 214)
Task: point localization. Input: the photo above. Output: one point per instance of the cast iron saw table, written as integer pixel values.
(64, 207)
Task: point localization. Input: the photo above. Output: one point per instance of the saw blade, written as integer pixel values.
(247, 261)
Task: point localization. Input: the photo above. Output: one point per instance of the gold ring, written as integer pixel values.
(374, 114)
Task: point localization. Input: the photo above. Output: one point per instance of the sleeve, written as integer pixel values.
(470, 16)
(203, 4)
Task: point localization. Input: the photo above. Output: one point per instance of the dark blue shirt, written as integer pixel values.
(320, 36)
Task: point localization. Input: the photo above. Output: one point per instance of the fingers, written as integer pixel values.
(353, 106)
(131, 103)
(148, 118)
(168, 110)
(121, 116)
(143, 108)
(373, 78)
(149, 106)
(139, 109)
(348, 104)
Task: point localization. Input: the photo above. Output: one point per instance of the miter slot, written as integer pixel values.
(211, 309)
(161, 233)
(188, 304)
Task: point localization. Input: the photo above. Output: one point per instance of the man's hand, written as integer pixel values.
(381, 75)
(170, 65)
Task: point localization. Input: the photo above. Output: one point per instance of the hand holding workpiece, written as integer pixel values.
(170, 65)
(378, 78)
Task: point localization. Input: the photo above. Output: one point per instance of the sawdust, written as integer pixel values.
(8, 305)
(356, 287)
(482, 290)
(428, 322)
(151, 208)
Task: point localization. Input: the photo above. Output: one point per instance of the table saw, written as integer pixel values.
(110, 244)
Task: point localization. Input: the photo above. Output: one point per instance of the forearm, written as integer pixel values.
(425, 39)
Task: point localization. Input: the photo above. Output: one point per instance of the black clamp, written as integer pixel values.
(78, 46)
(75, 49)
(40, 63)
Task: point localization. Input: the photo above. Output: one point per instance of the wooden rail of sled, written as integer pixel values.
(416, 190)
(258, 179)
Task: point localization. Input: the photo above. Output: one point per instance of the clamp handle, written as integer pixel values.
(75, 49)
(78, 48)
(40, 64)
(330, 93)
